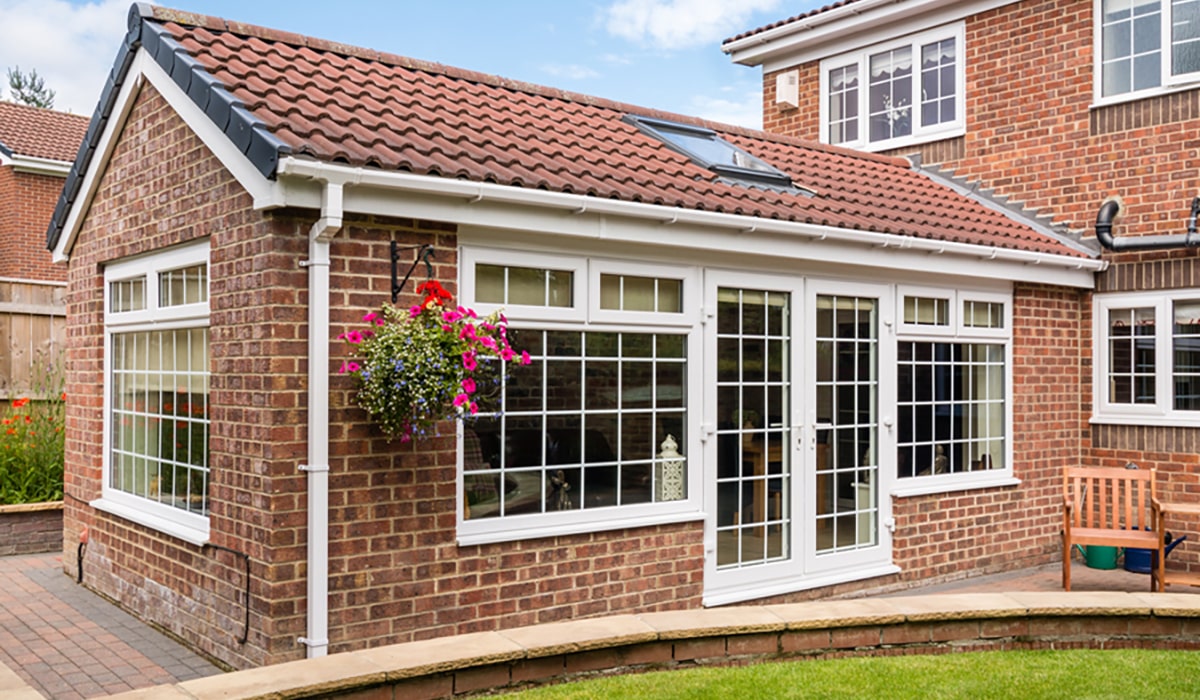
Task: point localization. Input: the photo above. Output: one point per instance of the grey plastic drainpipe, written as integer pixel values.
(1111, 209)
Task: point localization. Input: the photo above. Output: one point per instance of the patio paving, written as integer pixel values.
(68, 643)
(59, 640)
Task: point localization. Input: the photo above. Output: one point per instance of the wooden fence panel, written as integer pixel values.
(33, 333)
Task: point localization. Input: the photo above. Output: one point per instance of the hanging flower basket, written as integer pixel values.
(426, 364)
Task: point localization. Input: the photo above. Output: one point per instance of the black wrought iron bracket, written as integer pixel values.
(424, 252)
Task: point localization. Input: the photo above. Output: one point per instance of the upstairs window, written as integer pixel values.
(1146, 45)
(1148, 352)
(894, 94)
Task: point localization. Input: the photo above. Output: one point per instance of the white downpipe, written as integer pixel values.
(317, 632)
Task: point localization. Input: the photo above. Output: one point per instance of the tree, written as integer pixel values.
(29, 88)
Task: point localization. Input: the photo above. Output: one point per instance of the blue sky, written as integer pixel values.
(663, 54)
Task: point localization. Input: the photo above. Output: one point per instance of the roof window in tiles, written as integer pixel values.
(709, 150)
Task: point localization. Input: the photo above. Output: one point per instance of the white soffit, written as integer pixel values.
(566, 217)
(847, 28)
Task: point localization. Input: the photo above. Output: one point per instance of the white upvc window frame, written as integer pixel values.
(920, 134)
(959, 332)
(1168, 82)
(587, 316)
(1162, 412)
(189, 527)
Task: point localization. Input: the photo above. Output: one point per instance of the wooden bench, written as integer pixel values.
(1110, 507)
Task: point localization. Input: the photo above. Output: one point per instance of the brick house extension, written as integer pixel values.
(37, 147)
(1058, 106)
(833, 340)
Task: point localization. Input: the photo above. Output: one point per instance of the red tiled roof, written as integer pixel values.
(40, 133)
(341, 104)
(789, 20)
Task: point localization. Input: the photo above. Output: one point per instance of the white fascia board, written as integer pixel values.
(568, 216)
(847, 28)
(40, 166)
(266, 193)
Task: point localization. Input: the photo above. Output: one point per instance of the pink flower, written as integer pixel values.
(349, 367)
(461, 399)
(467, 332)
(451, 316)
(525, 357)
(414, 311)
(370, 317)
(474, 408)
(488, 343)
(468, 385)
(507, 354)
(469, 362)
(447, 329)
(352, 337)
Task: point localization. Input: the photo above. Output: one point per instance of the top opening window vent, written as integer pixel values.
(711, 151)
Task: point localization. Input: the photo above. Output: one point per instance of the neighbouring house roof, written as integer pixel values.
(278, 95)
(40, 133)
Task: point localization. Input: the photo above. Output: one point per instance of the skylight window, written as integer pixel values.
(709, 150)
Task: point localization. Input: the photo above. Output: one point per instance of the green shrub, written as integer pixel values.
(31, 445)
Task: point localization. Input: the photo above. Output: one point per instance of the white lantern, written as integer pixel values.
(669, 472)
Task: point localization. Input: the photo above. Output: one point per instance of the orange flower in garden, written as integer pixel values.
(12, 431)
(20, 402)
(8, 421)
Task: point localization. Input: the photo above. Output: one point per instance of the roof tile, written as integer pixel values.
(350, 105)
(40, 133)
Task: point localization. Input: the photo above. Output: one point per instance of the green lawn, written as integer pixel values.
(1002, 675)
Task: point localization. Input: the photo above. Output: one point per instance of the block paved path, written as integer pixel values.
(69, 643)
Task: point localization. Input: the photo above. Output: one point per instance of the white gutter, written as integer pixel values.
(802, 25)
(325, 228)
(40, 166)
(579, 204)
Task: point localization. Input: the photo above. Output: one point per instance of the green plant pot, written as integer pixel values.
(1100, 557)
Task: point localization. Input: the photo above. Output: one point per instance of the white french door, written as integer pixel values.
(849, 348)
(792, 433)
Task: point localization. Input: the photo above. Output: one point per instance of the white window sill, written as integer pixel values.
(188, 533)
(776, 587)
(926, 489)
(1102, 102)
(906, 141)
(492, 532)
(1156, 420)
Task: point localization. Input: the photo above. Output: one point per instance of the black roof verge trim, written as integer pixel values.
(243, 129)
(5, 151)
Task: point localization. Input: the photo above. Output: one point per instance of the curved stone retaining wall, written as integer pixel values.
(474, 663)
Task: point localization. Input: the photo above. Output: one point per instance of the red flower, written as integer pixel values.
(20, 402)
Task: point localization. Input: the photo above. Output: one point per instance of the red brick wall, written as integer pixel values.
(1033, 136)
(26, 205)
(396, 572)
(1030, 133)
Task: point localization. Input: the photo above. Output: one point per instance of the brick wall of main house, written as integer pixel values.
(1033, 136)
(396, 572)
(26, 205)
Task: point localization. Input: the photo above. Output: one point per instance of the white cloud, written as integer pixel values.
(678, 24)
(72, 47)
(571, 71)
(747, 112)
